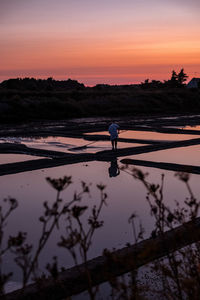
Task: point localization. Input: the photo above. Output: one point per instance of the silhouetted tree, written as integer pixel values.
(145, 84)
(174, 77)
(182, 77)
(41, 84)
(177, 80)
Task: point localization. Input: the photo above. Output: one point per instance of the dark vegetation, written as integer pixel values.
(178, 271)
(30, 99)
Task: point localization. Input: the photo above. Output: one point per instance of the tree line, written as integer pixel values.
(33, 84)
(50, 84)
(177, 80)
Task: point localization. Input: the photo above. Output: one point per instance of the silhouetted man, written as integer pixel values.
(113, 130)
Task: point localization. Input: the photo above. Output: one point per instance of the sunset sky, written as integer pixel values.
(105, 41)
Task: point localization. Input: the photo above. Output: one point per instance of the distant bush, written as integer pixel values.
(32, 84)
(102, 100)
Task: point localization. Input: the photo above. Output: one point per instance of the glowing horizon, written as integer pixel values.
(99, 42)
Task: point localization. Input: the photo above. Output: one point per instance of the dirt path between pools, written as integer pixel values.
(79, 128)
(55, 158)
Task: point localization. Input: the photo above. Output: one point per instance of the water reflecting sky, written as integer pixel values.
(150, 135)
(125, 196)
(182, 155)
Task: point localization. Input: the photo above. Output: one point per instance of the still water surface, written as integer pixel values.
(149, 135)
(125, 196)
(65, 144)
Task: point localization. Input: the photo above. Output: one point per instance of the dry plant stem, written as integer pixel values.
(87, 241)
(96, 216)
(42, 242)
(181, 274)
(3, 218)
(134, 231)
(176, 275)
(89, 236)
(158, 199)
(50, 220)
(79, 239)
(83, 251)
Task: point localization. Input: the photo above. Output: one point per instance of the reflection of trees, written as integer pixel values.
(114, 168)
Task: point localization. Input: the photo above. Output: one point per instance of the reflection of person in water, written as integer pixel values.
(114, 168)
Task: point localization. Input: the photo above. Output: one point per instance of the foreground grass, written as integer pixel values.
(178, 271)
